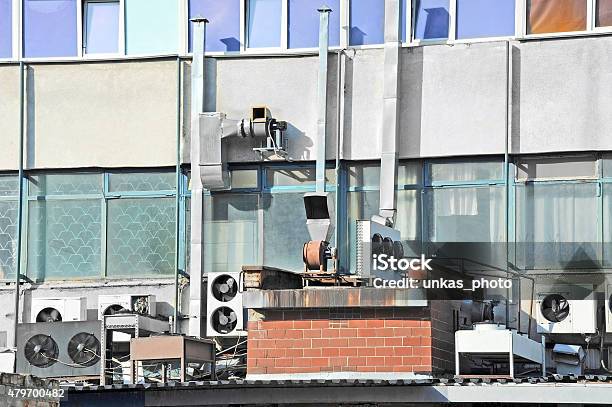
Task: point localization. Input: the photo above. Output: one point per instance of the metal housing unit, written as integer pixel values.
(224, 312)
(61, 333)
(575, 309)
(70, 308)
(139, 303)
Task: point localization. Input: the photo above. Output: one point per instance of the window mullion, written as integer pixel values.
(590, 24)
(344, 23)
(81, 25)
(452, 20)
(121, 48)
(284, 39)
(243, 22)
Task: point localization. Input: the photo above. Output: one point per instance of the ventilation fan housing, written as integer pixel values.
(143, 304)
(59, 349)
(224, 312)
(58, 309)
(566, 309)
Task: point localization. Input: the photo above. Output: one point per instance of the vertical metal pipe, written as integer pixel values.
(20, 204)
(390, 122)
(322, 96)
(339, 145)
(177, 217)
(507, 185)
(197, 189)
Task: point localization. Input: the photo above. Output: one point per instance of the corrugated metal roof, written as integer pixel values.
(349, 383)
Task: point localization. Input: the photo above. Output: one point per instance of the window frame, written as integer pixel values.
(83, 29)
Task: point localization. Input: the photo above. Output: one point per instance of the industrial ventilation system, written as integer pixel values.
(58, 309)
(224, 312)
(566, 309)
(59, 349)
(142, 304)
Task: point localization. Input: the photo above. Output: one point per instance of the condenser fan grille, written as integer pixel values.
(84, 349)
(224, 320)
(41, 351)
(49, 315)
(224, 288)
(555, 307)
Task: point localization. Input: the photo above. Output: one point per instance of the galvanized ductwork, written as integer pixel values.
(390, 123)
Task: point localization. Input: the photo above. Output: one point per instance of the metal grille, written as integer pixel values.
(142, 182)
(8, 238)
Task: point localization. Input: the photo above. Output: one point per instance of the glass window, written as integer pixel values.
(285, 229)
(466, 224)
(151, 26)
(65, 184)
(244, 179)
(294, 178)
(9, 202)
(603, 16)
(607, 167)
(264, 23)
(431, 19)
(231, 231)
(223, 29)
(64, 239)
(367, 22)
(50, 28)
(364, 175)
(466, 172)
(142, 181)
(101, 27)
(556, 168)
(607, 222)
(485, 18)
(551, 16)
(304, 23)
(141, 237)
(557, 226)
(6, 28)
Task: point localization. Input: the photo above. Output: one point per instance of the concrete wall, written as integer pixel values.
(562, 95)
(9, 116)
(453, 102)
(102, 114)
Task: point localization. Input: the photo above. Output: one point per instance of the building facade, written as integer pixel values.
(503, 137)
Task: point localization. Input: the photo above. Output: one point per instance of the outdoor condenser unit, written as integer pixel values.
(137, 303)
(566, 309)
(375, 238)
(224, 312)
(58, 309)
(59, 349)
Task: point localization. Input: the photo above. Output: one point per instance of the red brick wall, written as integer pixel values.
(344, 340)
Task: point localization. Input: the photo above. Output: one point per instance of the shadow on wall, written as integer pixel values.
(30, 118)
(515, 137)
(298, 145)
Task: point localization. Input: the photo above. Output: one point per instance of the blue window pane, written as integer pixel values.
(485, 18)
(151, 26)
(367, 22)
(431, 19)
(50, 28)
(223, 29)
(404, 7)
(304, 23)
(264, 23)
(102, 28)
(6, 28)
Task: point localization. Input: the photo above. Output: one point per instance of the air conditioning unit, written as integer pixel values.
(566, 309)
(143, 304)
(59, 349)
(608, 308)
(58, 309)
(375, 238)
(224, 313)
